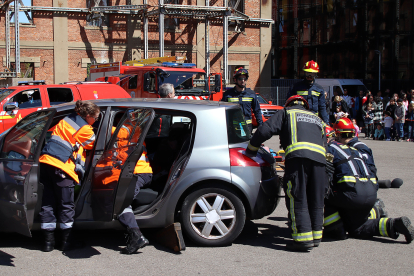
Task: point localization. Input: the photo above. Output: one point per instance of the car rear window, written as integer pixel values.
(237, 130)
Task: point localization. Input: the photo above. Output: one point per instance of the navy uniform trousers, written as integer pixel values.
(58, 198)
(127, 217)
(305, 187)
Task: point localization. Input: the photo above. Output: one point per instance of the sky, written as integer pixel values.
(22, 15)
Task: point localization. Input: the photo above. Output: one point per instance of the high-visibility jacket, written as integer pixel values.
(248, 101)
(302, 134)
(314, 95)
(70, 137)
(350, 168)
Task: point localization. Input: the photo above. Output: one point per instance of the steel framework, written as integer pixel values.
(201, 13)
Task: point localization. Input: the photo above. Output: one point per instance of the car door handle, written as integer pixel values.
(19, 177)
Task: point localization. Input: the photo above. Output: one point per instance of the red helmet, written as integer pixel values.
(311, 66)
(344, 125)
(241, 71)
(330, 132)
(296, 99)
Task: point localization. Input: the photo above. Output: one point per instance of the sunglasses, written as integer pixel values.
(241, 79)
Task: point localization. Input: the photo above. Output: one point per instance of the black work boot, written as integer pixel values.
(316, 242)
(135, 241)
(403, 226)
(49, 241)
(300, 246)
(380, 206)
(69, 242)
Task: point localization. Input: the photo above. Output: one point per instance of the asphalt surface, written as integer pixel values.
(259, 250)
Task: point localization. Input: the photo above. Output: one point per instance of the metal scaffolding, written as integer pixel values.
(200, 13)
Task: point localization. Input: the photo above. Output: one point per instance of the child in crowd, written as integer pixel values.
(379, 133)
(410, 121)
(357, 128)
(388, 121)
(368, 111)
(339, 113)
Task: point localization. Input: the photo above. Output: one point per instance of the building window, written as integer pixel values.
(24, 17)
(171, 24)
(97, 19)
(238, 5)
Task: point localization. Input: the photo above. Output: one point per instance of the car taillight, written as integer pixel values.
(238, 159)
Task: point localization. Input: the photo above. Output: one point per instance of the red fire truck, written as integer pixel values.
(141, 78)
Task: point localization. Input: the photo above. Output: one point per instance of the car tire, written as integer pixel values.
(213, 216)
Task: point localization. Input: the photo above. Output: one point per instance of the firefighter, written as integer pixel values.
(353, 193)
(62, 164)
(245, 97)
(311, 91)
(302, 136)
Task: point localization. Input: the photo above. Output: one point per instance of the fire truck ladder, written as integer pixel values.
(142, 62)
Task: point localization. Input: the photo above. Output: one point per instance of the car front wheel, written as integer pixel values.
(213, 216)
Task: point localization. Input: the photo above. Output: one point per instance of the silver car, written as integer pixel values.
(201, 177)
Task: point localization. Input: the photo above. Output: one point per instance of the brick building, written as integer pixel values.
(59, 45)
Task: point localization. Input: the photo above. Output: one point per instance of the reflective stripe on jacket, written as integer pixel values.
(248, 102)
(70, 137)
(314, 94)
(302, 133)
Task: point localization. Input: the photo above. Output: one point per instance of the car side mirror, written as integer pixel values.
(147, 81)
(11, 106)
(270, 102)
(217, 83)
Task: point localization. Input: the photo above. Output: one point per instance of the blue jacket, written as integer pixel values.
(315, 96)
(247, 100)
(350, 166)
(366, 153)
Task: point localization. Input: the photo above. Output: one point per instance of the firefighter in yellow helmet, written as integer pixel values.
(62, 164)
(311, 91)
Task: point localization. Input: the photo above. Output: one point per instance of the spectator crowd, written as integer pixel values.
(381, 117)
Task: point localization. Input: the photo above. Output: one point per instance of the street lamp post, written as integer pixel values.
(379, 68)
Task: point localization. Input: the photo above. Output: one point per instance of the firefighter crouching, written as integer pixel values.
(311, 91)
(62, 164)
(302, 136)
(353, 193)
(245, 97)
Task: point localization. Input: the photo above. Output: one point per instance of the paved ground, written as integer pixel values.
(260, 249)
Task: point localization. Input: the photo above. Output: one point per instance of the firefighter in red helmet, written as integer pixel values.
(245, 97)
(311, 91)
(349, 206)
(302, 136)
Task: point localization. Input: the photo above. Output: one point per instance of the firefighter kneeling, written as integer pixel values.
(302, 136)
(353, 192)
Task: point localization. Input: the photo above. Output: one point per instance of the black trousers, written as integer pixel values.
(354, 208)
(127, 217)
(58, 198)
(305, 185)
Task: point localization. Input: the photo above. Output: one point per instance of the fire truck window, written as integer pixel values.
(152, 82)
(59, 95)
(27, 99)
(132, 84)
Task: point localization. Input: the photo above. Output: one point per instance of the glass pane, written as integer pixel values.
(237, 130)
(21, 141)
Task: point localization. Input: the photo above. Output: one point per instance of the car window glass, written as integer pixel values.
(22, 140)
(58, 95)
(132, 84)
(237, 130)
(261, 100)
(27, 99)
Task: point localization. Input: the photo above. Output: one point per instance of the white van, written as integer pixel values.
(353, 86)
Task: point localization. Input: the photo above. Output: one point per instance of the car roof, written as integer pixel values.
(157, 103)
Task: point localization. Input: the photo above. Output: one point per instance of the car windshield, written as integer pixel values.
(261, 99)
(237, 130)
(4, 93)
(353, 90)
(185, 81)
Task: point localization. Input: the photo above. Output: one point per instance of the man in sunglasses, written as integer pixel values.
(312, 92)
(245, 97)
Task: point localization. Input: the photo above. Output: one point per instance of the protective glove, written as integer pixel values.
(80, 170)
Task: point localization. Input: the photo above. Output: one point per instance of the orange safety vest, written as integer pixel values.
(66, 148)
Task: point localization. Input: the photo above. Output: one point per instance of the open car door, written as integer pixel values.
(19, 186)
(113, 178)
